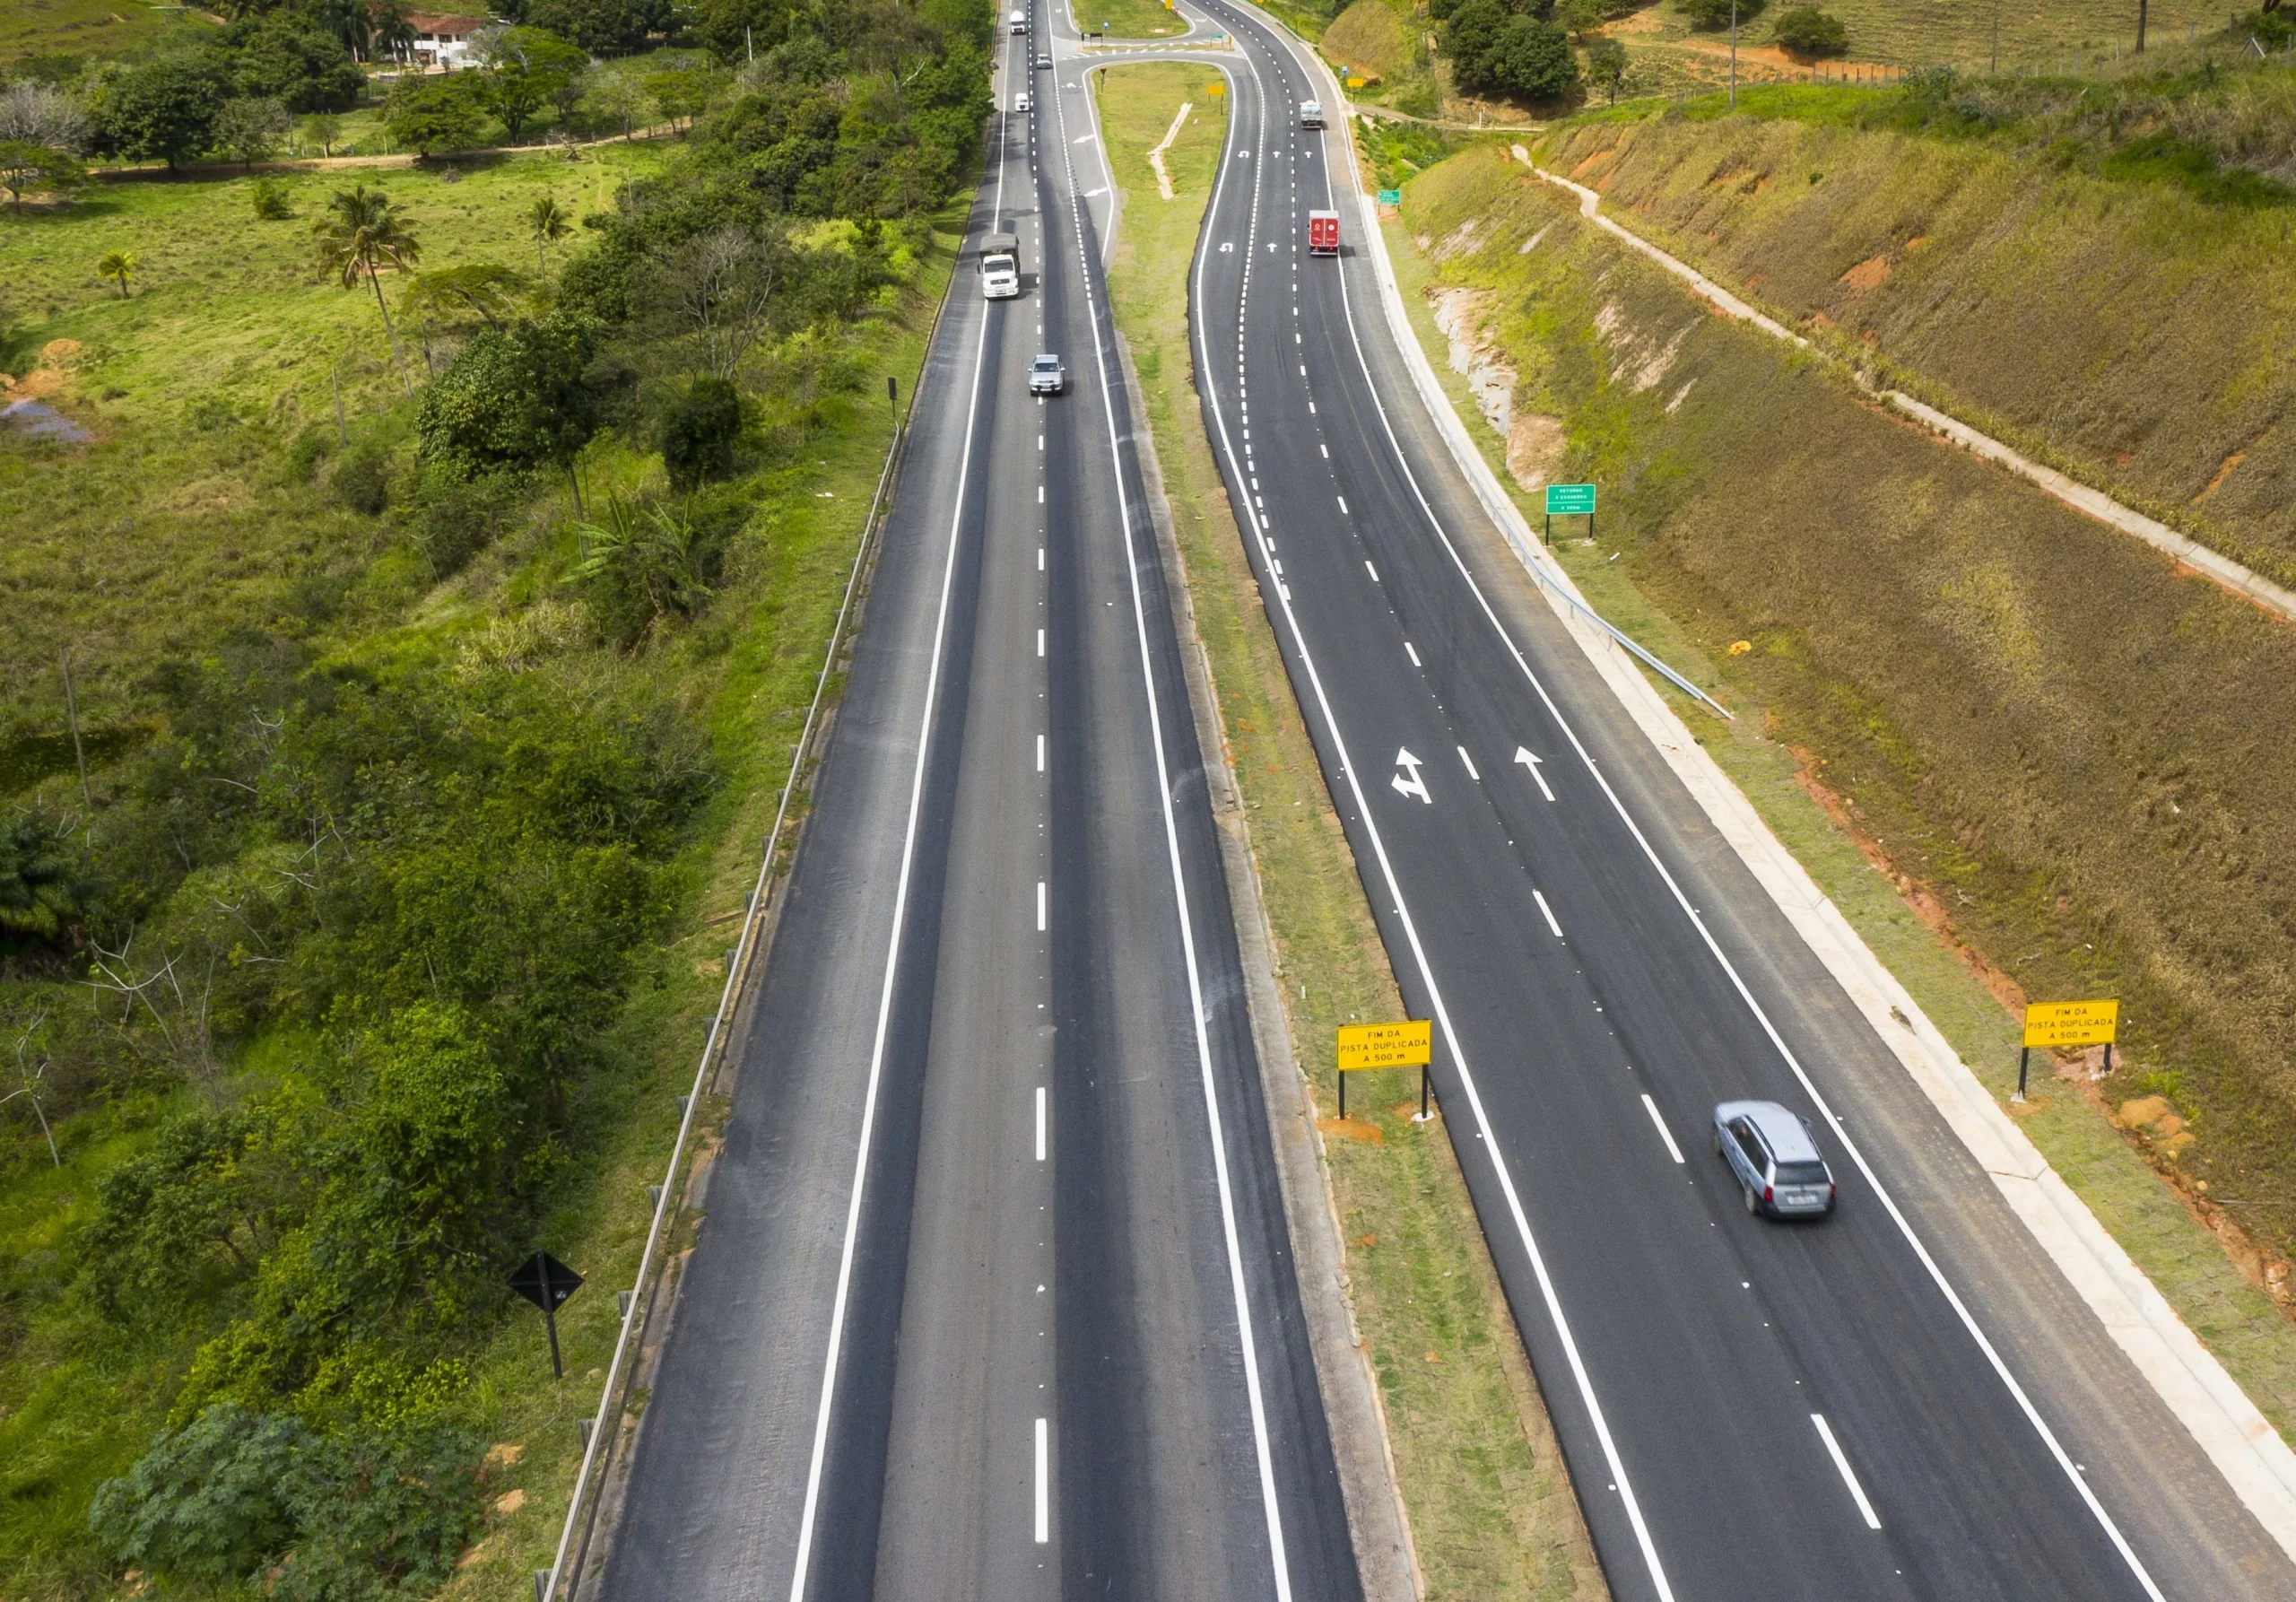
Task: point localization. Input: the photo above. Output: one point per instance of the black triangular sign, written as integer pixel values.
(544, 1281)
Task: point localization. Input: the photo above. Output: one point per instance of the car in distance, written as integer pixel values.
(1044, 61)
(1045, 377)
(1774, 1158)
(1021, 102)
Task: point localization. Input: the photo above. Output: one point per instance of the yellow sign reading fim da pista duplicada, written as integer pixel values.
(2072, 1022)
(1405, 1045)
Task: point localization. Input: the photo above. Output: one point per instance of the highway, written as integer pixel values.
(1906, 1400)
(994, 1296)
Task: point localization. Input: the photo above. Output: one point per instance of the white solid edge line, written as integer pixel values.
(1547, 912)
(1040, 1123)
(1262, 1446)
(1583, 1381)
(1044, 1483)
(1408, 347)
(1664, 1134)
(885, 997)
(1040, 906)
(1825, 1434)
(1039, 753)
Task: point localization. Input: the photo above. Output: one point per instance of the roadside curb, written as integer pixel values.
(2237, 1440)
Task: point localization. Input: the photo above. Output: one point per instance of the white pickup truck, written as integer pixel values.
(1311, 114)
(1000, 266)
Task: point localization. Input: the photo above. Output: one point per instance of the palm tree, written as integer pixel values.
(119, 266)
(549, 221)
(361, 232)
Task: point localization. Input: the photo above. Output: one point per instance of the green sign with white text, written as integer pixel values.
(1391, 197)
(1571, 500)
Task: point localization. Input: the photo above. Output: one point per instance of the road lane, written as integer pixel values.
(1685, 1348)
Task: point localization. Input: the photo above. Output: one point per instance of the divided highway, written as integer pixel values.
(995, 1298)
(1907, 1400)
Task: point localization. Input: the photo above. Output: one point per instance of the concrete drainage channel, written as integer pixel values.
(607, 1435)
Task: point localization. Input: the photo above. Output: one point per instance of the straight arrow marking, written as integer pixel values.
(1532, 762)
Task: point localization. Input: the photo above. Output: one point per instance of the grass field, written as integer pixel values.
(1126, 19)
(1491, 1509)
(1914, 615)
(178, 517)
(82, 27)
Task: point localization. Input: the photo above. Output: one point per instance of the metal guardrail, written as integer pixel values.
(564, 1576)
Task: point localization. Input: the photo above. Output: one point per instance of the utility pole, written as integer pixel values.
(1733, 55)
(2141, 7)
(1995, 66)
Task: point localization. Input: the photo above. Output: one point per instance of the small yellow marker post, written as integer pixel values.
(1409, 1043)
(2067, 1023)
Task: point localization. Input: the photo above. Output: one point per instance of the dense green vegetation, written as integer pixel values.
(412, 732)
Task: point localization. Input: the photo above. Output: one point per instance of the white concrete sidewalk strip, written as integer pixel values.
(2237, 1439)
(2090, 502)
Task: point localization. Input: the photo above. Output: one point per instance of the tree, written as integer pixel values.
(362, 231)
(682, 93)
(36, 169)
(1805, 32)
(249, 129)
(36, 113)
(165, 109)
(619, 95)
(281, 58)
(119, 266)
(1716, 13)
(1533, 61)
(484, 287)
(1581, 17)
(525, 69)
(550, 223)
(326, 127)
(431, 115)
(1607, 66)
(603, 25)
(698, 435)
(516, 397)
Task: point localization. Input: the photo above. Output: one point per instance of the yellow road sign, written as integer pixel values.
(2071, 1023)
(1404, 1045)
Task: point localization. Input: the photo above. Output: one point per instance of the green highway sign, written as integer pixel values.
(1571, 500)
(1391, 197)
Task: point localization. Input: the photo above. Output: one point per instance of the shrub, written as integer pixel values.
(699, 432)
(457, 518)
(269, 197)
(1807, 32)
(362, 479)
(518, 397)
(44, 890)
(209, 1502)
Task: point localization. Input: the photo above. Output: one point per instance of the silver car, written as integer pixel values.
(1776, 1162)
(1045, 377)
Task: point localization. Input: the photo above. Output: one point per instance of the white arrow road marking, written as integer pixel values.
(1532, 762)
(1409, 781)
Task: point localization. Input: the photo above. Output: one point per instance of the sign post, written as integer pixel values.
(2067, 1023)
(544, 1281)
(1410, 1044)
(1570, 500)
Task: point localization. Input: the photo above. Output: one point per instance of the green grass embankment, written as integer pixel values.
(1126, 19)
(2057, 750)
(2103, 279)
(1492, 1509)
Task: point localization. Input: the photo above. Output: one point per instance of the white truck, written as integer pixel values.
(1000, 266)
(1311, 114)
(1017, 21)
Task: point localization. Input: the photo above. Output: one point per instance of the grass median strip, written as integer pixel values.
(1492, 1509)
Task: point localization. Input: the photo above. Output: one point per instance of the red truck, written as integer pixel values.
(1323, 233)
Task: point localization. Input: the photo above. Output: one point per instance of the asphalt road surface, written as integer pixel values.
(1905, 1400)
(993, 1297)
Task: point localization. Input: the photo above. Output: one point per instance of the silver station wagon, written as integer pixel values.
(1776, 1162)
